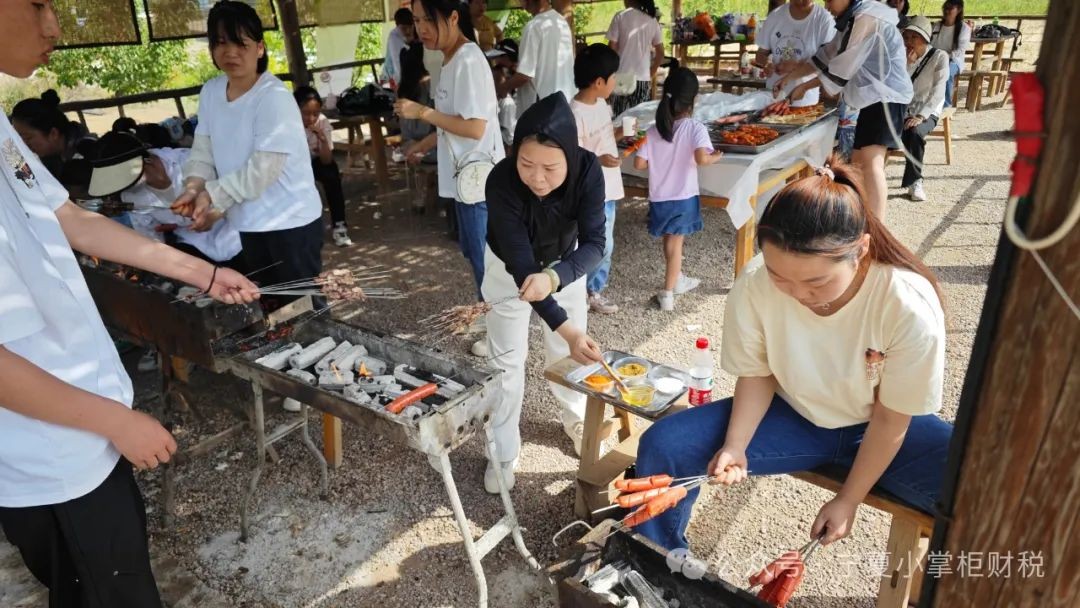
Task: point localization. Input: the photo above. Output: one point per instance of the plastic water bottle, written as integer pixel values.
(701, 373)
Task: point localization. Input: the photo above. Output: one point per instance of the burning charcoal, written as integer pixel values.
(312, 353)
(411, 413)
(451, 387)
(335, 381)
(603, 579)
(301, 375)
(374, 367)
(356, 394)
(324, 364)
(375, 384)
(348, 359)
(394, 391)
(280, 357)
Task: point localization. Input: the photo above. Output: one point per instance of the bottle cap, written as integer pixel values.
(702, 343)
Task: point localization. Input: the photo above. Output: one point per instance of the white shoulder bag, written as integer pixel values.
(470, 174)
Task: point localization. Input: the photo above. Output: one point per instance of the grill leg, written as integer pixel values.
(305, 436)
(463, 526)
(260, 458)
(508, 505)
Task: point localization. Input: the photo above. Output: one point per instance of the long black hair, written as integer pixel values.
(646, 6)
(412, 71)
(231, 20)
(43, 114)
(680, 90)
(442, 9)
(959, 24)
(305, 93)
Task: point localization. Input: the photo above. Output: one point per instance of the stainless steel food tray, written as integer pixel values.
(660, 402)
(786, 132)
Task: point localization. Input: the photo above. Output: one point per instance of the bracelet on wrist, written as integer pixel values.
(213, 276)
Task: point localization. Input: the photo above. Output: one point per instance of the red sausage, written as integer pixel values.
(411, 397)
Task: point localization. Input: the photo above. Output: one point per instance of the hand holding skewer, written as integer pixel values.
(728, 466)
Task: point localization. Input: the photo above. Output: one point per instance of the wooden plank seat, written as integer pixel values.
(943, 130)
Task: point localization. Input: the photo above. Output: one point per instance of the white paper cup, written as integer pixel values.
(628, 126)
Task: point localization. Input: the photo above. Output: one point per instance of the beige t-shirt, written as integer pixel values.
(890, 336)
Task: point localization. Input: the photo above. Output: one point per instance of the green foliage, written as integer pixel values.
(121, 70)
(583, 17)
(515, 21)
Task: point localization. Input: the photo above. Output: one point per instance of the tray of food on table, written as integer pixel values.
(755, 132)
(652, 387)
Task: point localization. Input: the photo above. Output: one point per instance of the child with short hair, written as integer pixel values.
(320, 143)
(594, 76)
(674, 148)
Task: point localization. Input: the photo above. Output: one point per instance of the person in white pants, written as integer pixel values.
(545, 233)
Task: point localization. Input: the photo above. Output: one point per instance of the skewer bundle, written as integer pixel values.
(338, 285)
(456, 320)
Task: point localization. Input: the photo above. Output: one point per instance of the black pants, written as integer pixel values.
(91, 552)
(915, 142)
(283, 255)
(329, 176)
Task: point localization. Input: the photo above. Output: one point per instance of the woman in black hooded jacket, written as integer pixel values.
(545, 233)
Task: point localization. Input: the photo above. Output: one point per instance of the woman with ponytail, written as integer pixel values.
(837, 338)
(635, 35)
(673, 150)
(465, 117)
(47, 131)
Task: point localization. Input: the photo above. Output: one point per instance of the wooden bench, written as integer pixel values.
(993, 79)
(943, 129)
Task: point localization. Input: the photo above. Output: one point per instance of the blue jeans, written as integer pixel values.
(950, 84)
(845, 133)
(472, 237)
(597, 280)
(683, 444)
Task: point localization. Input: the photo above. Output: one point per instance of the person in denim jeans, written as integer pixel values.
(837, 336)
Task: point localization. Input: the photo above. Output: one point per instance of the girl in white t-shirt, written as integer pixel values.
(837, 337)
(635, 35)
(791, 34)
(250, 159)
(465, 117)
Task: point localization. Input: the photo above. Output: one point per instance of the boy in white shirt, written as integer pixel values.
(68, 435)
(594, 75)
(546, 54)
(791, 34)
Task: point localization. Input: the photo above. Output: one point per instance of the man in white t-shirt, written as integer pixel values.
(546, 57)
(792, 34)
(68, 435)
(400, 37)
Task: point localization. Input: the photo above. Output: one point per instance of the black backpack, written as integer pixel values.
(370, 99)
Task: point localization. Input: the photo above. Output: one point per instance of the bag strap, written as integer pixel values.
(925, 61)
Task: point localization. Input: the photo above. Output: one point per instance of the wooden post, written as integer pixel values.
(331, 432)
(1017, 487)
(294, 46)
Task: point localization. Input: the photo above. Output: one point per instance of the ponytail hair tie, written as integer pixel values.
(826, 171)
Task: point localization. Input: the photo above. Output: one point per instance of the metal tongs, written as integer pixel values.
(808, 549)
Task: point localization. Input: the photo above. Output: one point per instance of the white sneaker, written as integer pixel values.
(598, 303)
(341, 236)
(148, 362)
(575, 432)
(491, 482)
(685, 284)
(290, 405)
(480, 349)
(666, 299)
(916, 192)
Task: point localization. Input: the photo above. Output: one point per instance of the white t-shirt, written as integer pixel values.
(597, 135)
(790, 39)
(466, 89)
(264, 119)
(636, 34)
(392, 63)
(890, 336)
(48, 317)
(321, 124)
(547, 57)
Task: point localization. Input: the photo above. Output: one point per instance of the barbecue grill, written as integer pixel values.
(231, 339)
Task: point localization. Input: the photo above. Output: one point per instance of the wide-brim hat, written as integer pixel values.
(921, 26)
(118, 164)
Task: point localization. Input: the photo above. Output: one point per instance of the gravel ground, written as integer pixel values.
(386, 536)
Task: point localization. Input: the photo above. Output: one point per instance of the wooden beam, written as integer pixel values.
(1018, 488)
(294, 46)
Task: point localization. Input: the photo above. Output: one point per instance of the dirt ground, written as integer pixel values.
(386, 536)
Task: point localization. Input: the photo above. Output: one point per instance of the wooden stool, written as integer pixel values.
(944, 129)
(909, 540)
(992, 78)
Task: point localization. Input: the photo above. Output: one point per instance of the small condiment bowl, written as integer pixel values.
(635, 379)
(600, 382)
(639, 395)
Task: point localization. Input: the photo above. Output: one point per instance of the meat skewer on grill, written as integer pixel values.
(457, 320)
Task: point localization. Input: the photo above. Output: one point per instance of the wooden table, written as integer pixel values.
(979, 48)
(681, 50)
(595, 474)
(376, 149)
(730, 80)
(747, 234)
